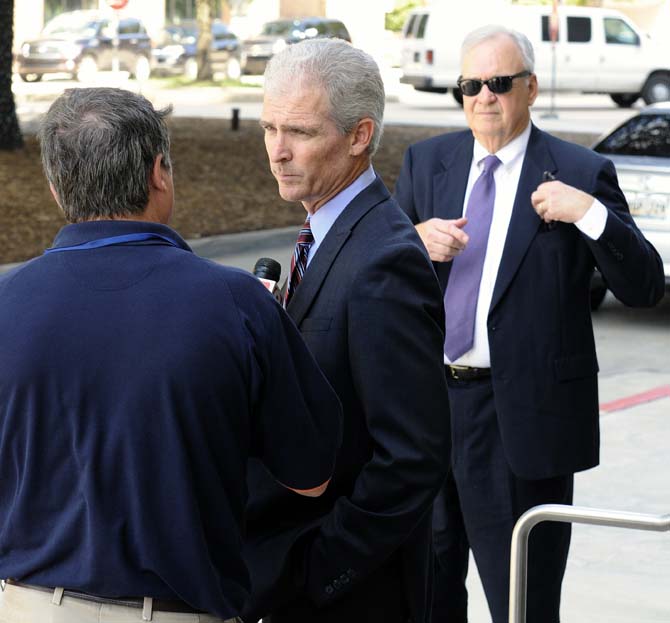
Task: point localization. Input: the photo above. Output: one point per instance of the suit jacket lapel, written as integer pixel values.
(449, 185)
(525, 222)
(338, 234)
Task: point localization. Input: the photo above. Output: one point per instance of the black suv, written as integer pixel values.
(276, 35)
(82, 42)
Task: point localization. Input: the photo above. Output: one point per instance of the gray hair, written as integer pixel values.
(492, 31)
(98, 148)
(349, 76)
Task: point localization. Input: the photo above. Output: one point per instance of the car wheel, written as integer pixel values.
(657, 88)
(624, 100)
(31, 77)
(191, 69)
(87, 70)
(142, 69)
(233, 69)
(458, 96)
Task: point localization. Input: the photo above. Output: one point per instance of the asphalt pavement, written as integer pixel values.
(614, 575)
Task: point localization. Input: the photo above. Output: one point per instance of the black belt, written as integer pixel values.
(159, 605)
(466, 373)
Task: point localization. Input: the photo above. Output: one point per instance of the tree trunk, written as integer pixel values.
(204, 12)
(10, 134)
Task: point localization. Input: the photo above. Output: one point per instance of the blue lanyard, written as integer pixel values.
(108, 242)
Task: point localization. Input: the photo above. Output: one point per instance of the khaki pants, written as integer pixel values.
(26, 605)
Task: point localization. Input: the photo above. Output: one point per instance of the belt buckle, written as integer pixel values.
(453, 371)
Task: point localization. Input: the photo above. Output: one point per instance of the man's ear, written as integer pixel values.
(157, 179)
(55, 195)
(361, 136)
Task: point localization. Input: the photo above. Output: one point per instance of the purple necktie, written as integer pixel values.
(299, 259)
(460, 298)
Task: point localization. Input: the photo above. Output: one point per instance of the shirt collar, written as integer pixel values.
(507, 154)
(322, 220)
(78, 233)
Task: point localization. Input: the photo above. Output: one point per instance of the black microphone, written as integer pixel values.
(268, 272)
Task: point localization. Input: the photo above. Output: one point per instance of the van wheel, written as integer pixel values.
(31, 77)
(624, 100)
(656, 89)
(458, 96)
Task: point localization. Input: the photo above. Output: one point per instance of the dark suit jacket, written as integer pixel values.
(543, 358)
(370, 310)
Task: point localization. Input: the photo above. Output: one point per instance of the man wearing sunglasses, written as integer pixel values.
(515, 221)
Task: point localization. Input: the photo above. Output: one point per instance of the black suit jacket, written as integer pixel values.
(370, 310)
(543, 358)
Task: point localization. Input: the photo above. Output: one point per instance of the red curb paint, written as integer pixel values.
(636, 399)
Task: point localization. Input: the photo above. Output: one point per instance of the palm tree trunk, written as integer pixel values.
(10, 134)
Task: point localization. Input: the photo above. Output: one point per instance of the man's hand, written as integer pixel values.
(444, 239)
(556, 201)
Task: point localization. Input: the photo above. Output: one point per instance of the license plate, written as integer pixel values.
(656, 206)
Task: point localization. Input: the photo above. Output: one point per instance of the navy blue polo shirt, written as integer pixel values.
(135, 381)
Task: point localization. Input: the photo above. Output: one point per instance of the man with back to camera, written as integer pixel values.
(135, 381)
(515, 254)
(365, 297)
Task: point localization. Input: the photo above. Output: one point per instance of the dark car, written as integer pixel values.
(175, 51)
(82, 42)
(276, 35)
(640, 151)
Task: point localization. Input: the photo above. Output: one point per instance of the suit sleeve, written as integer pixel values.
(395, 340)
(296, 426)
(404, 193)
(630, 265)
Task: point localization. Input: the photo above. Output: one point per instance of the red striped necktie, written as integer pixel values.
(299, 260)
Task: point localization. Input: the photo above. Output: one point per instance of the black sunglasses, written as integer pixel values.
(497, 84)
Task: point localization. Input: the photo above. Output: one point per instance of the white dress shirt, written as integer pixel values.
(322, 220)
(506, 177)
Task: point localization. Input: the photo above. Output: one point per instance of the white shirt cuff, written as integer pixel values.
(593, 222)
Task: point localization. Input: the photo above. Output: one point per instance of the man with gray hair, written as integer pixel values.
(136, 380)
(364, 295)
(516, 222)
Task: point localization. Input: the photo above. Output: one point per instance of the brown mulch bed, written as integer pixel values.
(222, 184)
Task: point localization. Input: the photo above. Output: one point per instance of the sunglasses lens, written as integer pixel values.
(470, 87)
(500, 84)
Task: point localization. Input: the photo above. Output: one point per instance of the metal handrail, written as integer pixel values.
(566, 514)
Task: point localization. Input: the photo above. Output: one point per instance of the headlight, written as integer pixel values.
(278, 46)
(25, 49)
(71, 50)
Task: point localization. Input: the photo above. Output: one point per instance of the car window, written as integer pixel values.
(280, 29)
(644, 135)
(421, 30)
(546, 33)
(579, 29)
(129, 27)
(617, 31)
(72, 24)
(409, 27)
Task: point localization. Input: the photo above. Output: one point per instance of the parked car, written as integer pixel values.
(640, 151)
(175, 50)
(82, 42)
(276, 35)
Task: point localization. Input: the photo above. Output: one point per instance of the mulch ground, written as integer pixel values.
(222, 184)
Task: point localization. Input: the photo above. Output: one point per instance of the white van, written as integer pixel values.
(597, 51)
